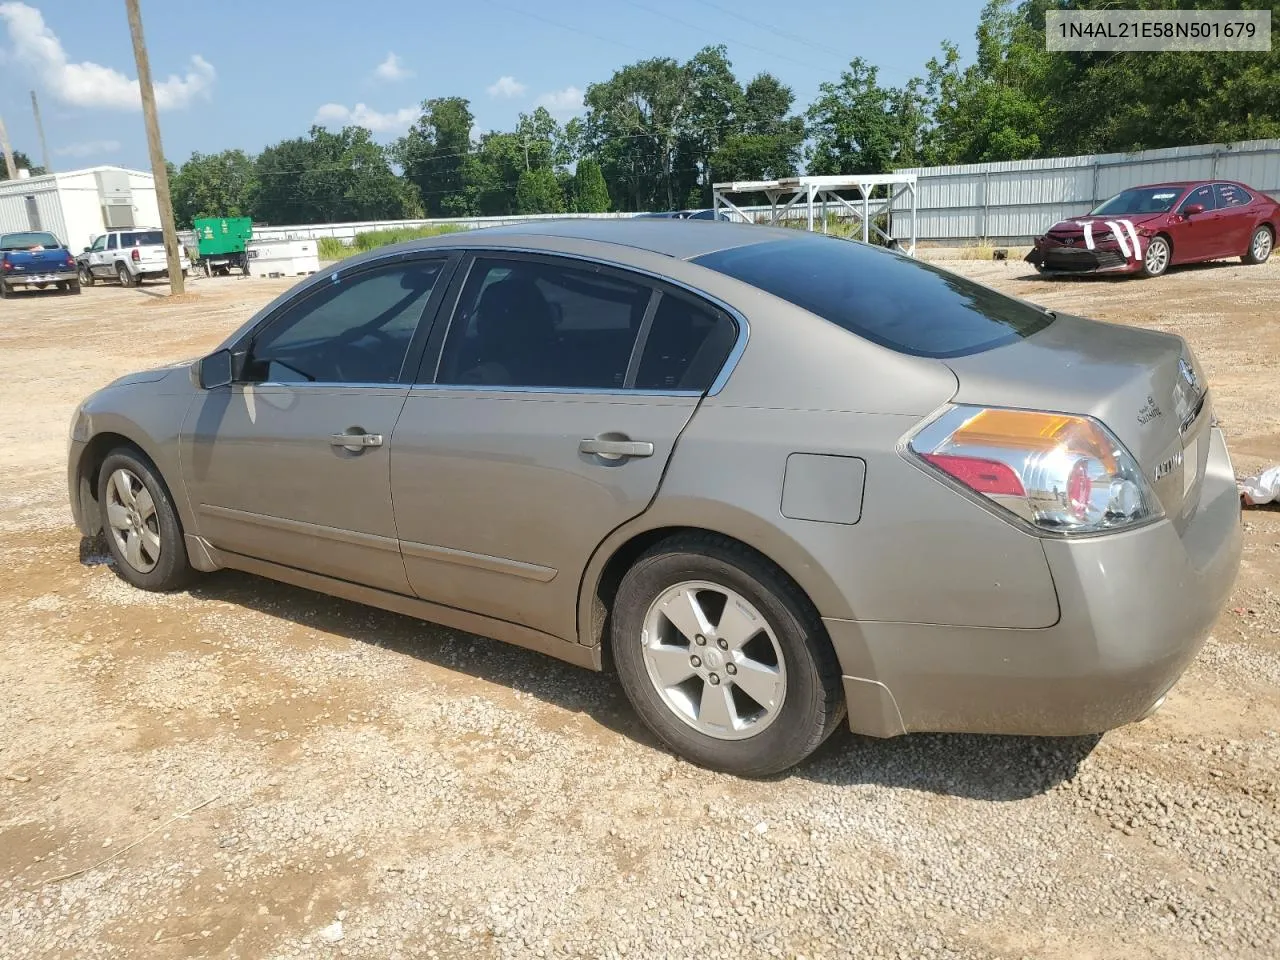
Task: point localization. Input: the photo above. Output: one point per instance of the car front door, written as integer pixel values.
(1235, 207)
(94, 257)
(1194, 235)
(289, 463)
(544, 421)
(100, 260)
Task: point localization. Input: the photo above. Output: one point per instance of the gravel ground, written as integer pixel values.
(250, 770)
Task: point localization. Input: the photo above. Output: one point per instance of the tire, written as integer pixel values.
(4, 290)
(73, 287)
(1157, 258)
(86, 276)
(124, 276)
(788, 657)
(159, 560)
(1261, 244)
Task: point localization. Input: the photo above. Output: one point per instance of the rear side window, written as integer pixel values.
(143, 238)
(687, 345)
(896, 301)
(1229, 195)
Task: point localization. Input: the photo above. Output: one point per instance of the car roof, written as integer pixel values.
(681, 239)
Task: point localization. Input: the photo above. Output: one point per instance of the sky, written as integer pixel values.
(249, 73)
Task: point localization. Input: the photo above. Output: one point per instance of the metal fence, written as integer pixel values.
(1010, 201)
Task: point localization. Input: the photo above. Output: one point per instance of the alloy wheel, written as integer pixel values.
(714, 660)
(131, 515)
(1261, 245)
(1157, 258)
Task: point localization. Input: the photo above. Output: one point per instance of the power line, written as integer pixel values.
(772, 29)
(566, 26)
(691, 26)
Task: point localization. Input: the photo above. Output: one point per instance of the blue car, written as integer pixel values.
(39, 260)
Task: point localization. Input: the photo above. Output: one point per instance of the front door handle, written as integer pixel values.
(355, 441)
(616, 449)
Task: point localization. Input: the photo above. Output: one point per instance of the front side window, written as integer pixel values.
(1201, 195)
(1230, 195)
(899, 302)
(532, 323)
(99, 244)
(354, 330)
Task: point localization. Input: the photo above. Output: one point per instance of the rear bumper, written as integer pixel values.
(30, 280)
(1136, 608)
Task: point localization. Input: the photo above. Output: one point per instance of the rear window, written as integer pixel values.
(890, 299)
(143, 238)
(28, 241)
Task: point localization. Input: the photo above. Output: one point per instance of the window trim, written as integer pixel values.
(417, 344)
(429, 370)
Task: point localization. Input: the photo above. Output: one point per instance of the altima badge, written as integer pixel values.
(1166, 467)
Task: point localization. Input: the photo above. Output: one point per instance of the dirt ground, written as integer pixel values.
(267, 772)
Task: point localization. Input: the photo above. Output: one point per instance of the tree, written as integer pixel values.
(857, 125)
(767, 144)
(328, 177)
(436, 156)
(22, 161)
(213, 185)
(590, 195)
(538, 191)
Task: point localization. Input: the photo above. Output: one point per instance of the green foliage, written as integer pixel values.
(331, 248)
(436, 156)
(590, 194)
(212, 185)
(538, 191)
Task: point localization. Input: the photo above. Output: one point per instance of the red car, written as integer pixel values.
(1147, 229)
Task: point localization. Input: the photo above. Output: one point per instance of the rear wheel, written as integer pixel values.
(723, 658)
(73, 287)
(1260, 246)
(143, 531)
(4, 290)
(123, 275)
(1157, 258)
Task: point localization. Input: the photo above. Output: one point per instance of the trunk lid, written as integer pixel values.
(49, 260)
(1145, 386)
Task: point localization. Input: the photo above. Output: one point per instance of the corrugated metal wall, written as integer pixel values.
(15, 214)
(1019, 199)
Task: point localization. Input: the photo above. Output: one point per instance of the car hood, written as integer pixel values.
(153, 375)
(1074, 225)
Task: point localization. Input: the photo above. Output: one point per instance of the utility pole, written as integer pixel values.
(44, 146)
(8, 154)
(158, 169)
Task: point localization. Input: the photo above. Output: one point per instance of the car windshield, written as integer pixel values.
(1139, 200)
(144, 238)
(28, 241)
(888, 298)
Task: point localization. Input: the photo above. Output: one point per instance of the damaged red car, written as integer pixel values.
(1146, 230)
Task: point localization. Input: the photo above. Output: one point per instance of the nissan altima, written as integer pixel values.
(779, 481)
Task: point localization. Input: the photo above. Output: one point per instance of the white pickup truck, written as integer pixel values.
(128, 256)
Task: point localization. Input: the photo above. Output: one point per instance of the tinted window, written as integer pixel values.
(1139, 200)
(356, 330)
(1229, 195)
(143, 238)
(28, 241)
(111, 241)
(893, 300)
(686, 347)
(525, 323)
(99, 244)
(1201, 195)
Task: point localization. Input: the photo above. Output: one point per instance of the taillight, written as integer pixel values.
(1058, 472)
(7, 264)
(135, 255)
(70, 262)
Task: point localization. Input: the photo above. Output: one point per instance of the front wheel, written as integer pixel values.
(723, 658)
(1260, 246)
(143, 531)
(1157, 258)
(86, 276)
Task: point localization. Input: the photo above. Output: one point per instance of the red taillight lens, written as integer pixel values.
(984, 476)
(135, 255)
(1058, 472)
(7, 264)
(71, 263)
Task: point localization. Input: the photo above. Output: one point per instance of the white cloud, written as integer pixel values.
(392, 69)
(88, 84)
(507, 88)
(568, 100)
(335, 114)
(88, 148)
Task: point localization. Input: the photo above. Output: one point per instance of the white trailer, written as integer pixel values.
(78, 205)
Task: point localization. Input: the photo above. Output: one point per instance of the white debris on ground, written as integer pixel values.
(1261, 488)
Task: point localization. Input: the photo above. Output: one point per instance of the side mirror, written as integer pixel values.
(1193, 209)
(87, 249)
(215, 370)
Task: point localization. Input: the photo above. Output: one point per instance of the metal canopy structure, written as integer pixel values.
(808, 191)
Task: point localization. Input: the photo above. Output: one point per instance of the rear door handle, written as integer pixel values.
(356, 441)
(616, 449)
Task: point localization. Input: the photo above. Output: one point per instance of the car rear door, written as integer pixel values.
(548, 408)
(1235, 207)
(290, 463)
